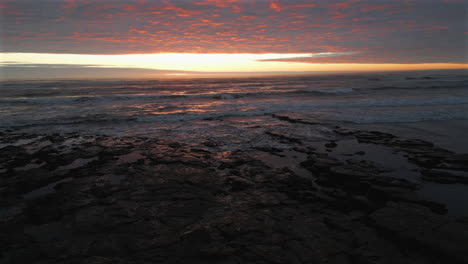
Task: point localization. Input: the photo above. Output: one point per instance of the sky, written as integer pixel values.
(154, 38)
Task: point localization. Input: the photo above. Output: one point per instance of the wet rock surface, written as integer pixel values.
(70, 198)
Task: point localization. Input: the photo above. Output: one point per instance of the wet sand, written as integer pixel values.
(306, 193)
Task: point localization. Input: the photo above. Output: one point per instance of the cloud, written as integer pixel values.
(377, 56)
(24, 71)
(312, 57)
(16, 64)
(384, 30)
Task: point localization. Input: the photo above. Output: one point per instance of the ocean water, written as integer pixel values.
(149, 106)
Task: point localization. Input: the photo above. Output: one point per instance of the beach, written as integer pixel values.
(233, 132)
(320, 169)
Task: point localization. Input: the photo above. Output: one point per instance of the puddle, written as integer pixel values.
(77, 164)
(131, 157)
(291, 160)
(453, 196)
(48, 189)
(388, 158)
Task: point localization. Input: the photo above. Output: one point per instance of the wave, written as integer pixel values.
(352, 115)
(218, 96)
(337, 91)
(114, 121)
(81, 99)
(360, 116)
(414, 88)
(389, 102)
(361, 111)
(79, 92)
(73, 121)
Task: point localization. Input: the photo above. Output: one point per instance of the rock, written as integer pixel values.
(191, 204)
(283, 137)
(111, 245)
(412, 143)
(344, 131)
(271, 150)
(196, 241)
(415, 224)
(237, 183)
(293, 119)
(102, 260)
(374, 137)
(331, 145)
(353, 173)
(444, 176)
(320, 162)
(99, 219)
(211, 144)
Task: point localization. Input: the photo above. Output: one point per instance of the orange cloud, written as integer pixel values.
(340, 5)
(375, 8)
(217, 3)
(275, 6)
(301, 6)
(181, 12)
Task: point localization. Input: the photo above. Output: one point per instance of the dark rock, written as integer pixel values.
(321, 162)
(375, 137)
(416, 224)
(237, 183)
(344, 132)
(412, 143)
(354, 172)
(211, 144)
(189, 204)
(175, 145)
(271, 150)
(293, 120)
(102, 260)
(443, 176)
(283, 137)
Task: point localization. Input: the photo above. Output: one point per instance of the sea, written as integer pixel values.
(182, 108)
(231, 114)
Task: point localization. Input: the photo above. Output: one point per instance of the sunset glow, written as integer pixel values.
(212, 63)
(233, 36)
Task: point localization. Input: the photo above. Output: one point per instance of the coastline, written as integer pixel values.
(448, 134)
(354, 196)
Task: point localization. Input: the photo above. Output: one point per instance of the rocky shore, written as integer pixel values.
(354, 198)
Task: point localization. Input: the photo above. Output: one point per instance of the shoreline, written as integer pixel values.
(357, 196)
(448, 134)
